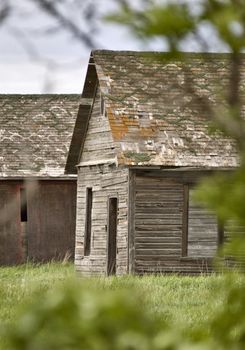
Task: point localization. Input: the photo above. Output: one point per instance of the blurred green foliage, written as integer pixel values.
(228, 325)
(175, 20)
(79, 315)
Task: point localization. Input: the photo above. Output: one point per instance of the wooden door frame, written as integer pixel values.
(109, 198)
(131, 221)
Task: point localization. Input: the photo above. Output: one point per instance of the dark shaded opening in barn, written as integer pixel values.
(88, 221)
(23, 219)
(112, 236)
(23, 205)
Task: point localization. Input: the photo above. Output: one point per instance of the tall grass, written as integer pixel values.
(181, 300)
(20, 283)
(177, 299)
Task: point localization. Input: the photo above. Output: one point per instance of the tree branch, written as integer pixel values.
(51, 9)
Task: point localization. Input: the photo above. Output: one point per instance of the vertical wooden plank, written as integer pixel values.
(185, 221)
(34, 223)
(10, 226)
(131, 222)
(112, 236)
(88, 221)
(51, 221)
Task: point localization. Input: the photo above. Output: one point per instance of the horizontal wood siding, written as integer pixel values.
(98, 143)
(11, 251)
(202, 230)
(105, 181)
(158, 223)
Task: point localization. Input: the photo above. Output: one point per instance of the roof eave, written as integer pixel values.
(84, 112)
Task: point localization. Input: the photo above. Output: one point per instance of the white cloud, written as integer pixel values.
(46, 67)
(25, 77)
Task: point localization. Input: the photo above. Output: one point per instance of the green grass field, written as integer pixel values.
(188, 304)
(20, 283)
(179, 299)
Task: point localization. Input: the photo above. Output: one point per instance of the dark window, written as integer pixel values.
(88, 221)
(201, 231)
(112, 236)
(23, 205)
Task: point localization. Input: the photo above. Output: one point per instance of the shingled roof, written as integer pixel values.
(35, 134)
(154, 117)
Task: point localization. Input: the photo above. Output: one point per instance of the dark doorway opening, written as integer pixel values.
(112, 236)
(88, 221)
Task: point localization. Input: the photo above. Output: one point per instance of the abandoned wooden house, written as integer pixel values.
(141, 143)
(37, 201)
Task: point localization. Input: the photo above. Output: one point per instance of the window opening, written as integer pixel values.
(23, 205)
(88, 221)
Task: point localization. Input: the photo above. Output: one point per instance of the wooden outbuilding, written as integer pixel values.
(141, 143)
(37, 200)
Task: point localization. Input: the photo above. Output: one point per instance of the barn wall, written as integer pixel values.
(158, 221)
(51, 220)
(11, 251)
(48, 233)
(105, 181)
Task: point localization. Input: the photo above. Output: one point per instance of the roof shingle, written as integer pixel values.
(35, 134)
(155, 118)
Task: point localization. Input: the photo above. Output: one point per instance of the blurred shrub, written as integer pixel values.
(79, 317)
(228, 325)
(73, 317)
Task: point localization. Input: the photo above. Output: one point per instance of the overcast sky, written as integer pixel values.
(31, 62)
(35, 57)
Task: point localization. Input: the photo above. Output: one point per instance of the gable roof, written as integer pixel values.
(35, 134)
(153, 115)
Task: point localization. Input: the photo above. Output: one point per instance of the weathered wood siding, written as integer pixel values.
(51, 220)
(11, 251)
(98, 144)
(48, 233)
(106, 181)
(158, 223)
(200, 221)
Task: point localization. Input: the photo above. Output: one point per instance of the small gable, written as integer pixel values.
(99, 146)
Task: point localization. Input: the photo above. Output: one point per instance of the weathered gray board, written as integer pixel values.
(152, 229)
(158, 220)
(97, 170)
(106, 181)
